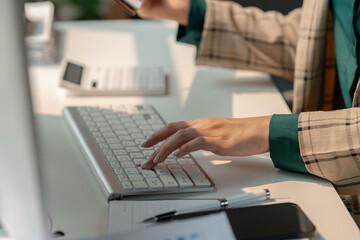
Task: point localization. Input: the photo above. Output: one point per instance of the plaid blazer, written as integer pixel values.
(294, 47)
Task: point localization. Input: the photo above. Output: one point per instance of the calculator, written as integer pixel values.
(82, 79)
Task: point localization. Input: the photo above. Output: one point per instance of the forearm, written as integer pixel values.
(176, 10)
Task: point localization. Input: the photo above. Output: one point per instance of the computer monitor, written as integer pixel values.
(21, 211)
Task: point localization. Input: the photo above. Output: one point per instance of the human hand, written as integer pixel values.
(177, 10)
(222, 136)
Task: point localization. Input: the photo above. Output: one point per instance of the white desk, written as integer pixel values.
(73, 197)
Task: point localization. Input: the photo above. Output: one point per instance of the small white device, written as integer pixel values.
(131, 6)
(84, 79)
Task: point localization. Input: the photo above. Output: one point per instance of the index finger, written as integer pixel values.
(165, 132)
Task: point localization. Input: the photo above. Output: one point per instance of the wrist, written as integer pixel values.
(178, 10)
(265, 132)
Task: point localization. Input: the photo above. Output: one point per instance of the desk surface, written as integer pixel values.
(73, 197)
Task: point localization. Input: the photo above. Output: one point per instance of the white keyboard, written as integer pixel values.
(110, 138)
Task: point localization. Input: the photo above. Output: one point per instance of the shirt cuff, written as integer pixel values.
(191, 34)
(284, 143)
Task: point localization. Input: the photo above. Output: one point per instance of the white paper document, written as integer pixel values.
(210, 227)
(128, 215)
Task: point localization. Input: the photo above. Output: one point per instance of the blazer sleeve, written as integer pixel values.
(249, 38)
(330, 147)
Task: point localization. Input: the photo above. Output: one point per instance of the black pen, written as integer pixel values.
(233, 201)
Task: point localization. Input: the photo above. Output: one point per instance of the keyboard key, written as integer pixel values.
(184, 161)
(127, 164)
(170, 161)
(126, 120)
(132, 149)
(129, 125)
(183, 180)
(191, 168)
(174, 168)
(135, 177)
(147, 133)
(134, 130)
(96, 134)
(131, 171)
(157, 126)
(111, 158)
(136, 155)
(100, 140)
(114, 164)
(103, 146)
(109, 135)
(123, 158)
(137, 136)
(169, 181)
(139, 140)
(145, 127)
(117, 127)
(121, 132)
(140, 184)
(201, 182)
(105, 129)
(114, 122)
(112, 140)
(120, 152)
(128, 143)
(141, 122)
(125, 138)
(162, 172)
(116, 146)
(148, 173)
(154, 183)
(107, 151)
(196, 175)
(93, 129)
(126, 185)
(147, 152)
(119, 171)
(138, 161)
(122, 177)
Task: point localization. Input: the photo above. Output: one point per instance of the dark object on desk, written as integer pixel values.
(130, 9)
(276, 221)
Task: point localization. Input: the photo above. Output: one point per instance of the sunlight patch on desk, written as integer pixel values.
(83, 46)
(245, 74)
(182, 79)
(258, 104)
(220, 162)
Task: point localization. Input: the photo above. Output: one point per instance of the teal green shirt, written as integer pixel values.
(191, 34)
(283, 132)
(346, 29)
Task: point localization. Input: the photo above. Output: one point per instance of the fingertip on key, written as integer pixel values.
(144, 144)
(145, 164)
